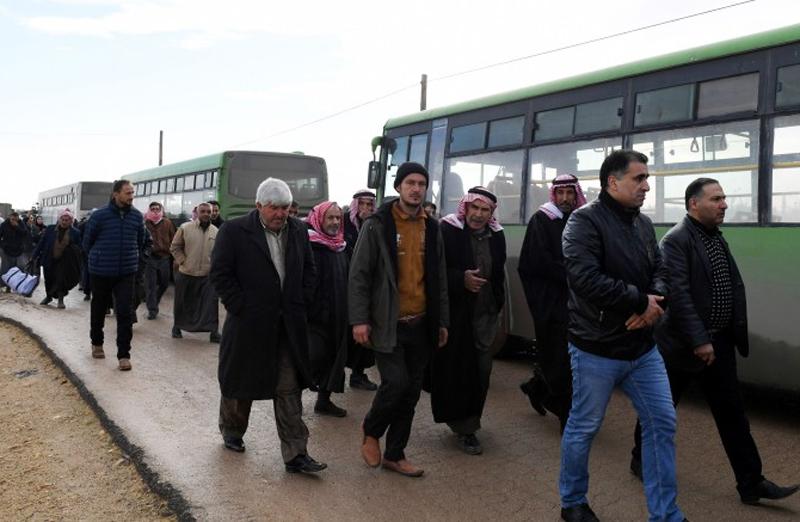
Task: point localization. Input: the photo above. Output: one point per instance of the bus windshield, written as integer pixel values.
(304, 175)
(94, 195)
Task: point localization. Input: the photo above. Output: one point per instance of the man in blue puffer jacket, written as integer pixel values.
(113, 239)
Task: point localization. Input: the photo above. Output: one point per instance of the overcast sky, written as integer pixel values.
(85, 85)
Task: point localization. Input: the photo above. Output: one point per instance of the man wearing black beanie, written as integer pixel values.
(407, 168)
(399, 308)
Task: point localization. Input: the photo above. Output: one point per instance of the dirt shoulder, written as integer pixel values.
(56, 459)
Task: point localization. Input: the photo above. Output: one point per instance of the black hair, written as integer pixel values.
(213, 202)
(155, 203)
(295, 204)
(118, 184)
(616, 164)
(695, 188)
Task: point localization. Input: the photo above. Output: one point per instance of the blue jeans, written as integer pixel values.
(644, 381)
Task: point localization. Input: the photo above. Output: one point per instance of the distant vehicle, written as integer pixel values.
(730, 111)
(230, 177)
(80, 198)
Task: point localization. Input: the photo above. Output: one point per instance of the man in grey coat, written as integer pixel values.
(398, 307)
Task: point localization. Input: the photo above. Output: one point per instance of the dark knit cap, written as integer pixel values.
(409, 167)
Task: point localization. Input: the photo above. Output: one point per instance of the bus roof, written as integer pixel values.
(212, 161)
(181, 167)
(744, 44)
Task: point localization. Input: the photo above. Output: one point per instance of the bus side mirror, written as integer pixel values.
(374, 174)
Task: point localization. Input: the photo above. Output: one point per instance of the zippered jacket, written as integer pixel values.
(613, 262)
(113, 238)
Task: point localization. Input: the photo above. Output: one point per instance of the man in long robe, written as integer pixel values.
(327, 317)
(156, 274)
(358, 358)
(544, 279)
(196, 305)
(475, 252)
(59, 253)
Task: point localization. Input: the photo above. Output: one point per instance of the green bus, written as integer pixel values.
(730, 110)
(230, 177)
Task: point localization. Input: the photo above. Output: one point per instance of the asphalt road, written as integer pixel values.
(167, 406)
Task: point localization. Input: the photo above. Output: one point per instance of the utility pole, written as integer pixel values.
(423, 95)
(160, 148)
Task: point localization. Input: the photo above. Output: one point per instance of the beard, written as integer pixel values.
(205, 224)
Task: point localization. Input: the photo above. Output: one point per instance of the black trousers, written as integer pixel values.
(121, 288)
(720, 386)
(402, 372)
(553, 358)
(156, 280)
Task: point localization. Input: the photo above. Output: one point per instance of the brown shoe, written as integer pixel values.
(125, 365)
(370, 449)
(403, 467)
(97, 351)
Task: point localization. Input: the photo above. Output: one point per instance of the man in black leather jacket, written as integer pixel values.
(617, 285)
(705, 324)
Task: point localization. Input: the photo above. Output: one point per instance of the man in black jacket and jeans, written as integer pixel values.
(705, 324)
(616, 286)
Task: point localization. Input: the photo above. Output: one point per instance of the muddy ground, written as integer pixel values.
(57, 462)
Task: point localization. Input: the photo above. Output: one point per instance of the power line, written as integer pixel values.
(593, 40)
(498, 64)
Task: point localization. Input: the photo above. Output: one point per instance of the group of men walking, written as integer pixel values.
(613, 308)
(420, 299)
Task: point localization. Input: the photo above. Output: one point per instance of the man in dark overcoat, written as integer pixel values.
(704, 326)
(263, 270)
(544, 280)
(475, 252)
(359, 358)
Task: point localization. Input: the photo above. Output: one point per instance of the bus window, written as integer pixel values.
(208, 179)
(400, 154)
(579, 158)
(664, 105)
(96, 195)
(179, 184)
(188, 182)
(199, 180)
(507, 131)
(162, 186)
(170, 185)
(727, 152)
(468, 137)
(598, 116)
(418, 149)
(213, 175)
(788, 86)
(140, 189)
(728, 95)
(173, 205)
(500, 172)
(557, 123)
(785, 172)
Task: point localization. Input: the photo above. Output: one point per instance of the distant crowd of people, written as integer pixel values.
(420, 298)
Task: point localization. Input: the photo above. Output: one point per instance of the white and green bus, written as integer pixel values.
(730, 111)
(231, 178)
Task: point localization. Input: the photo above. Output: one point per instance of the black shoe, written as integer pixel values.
(215, 337)
(766, 490)
(533, 397)
(636, 468)
(151, 315)
(176, 333)
(329, 408)
(46, 301)
(470, 444)
(234, 444)
(304, 464)
(581, 513)
(360, 381)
